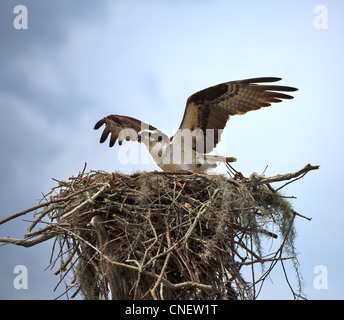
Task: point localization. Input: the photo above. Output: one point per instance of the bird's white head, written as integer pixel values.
(152, 138)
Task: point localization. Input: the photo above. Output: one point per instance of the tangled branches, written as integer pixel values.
(159, 235)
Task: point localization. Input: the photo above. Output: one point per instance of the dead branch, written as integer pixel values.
(283, 177)
(27, 242)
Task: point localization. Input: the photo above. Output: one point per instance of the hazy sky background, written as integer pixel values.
(81, 60)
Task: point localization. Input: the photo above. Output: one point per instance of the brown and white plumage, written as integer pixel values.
(121, 128)
(205, 116)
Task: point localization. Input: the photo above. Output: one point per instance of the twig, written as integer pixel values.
(164, 266)
(95, 196)
(302, 216)
(200, 213)
(45, 204)
(28, 242)
(283, 177)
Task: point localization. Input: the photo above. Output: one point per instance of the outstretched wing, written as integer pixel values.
(211, 108)
(121, 128)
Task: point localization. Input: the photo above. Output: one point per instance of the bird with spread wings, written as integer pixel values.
(205, 116)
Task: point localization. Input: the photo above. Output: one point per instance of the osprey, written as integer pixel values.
(205, 116)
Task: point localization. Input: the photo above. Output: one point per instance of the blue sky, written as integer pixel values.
(81, 60)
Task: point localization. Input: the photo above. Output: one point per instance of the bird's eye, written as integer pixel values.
(160, 138)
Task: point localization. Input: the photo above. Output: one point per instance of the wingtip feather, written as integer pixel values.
(99, 124)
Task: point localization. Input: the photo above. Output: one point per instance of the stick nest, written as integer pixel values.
(157, 235)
